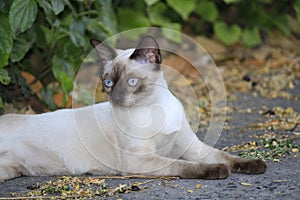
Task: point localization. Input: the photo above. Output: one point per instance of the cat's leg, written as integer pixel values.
(9, 167)
(155, 165)
(195, 150)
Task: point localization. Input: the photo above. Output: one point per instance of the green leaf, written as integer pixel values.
(47, 96)
(48, 34)
(72, 53)
(107, 16)
(183, 8)
(265, 1)
(6, 38)
(77, 29)
(5, 5)
(231, 1)
(63, 72)
(297, 9)
(227, 34)
(22, 14)
(66, 20)
(133, 34)
(105, 24)
(251, 37)
(1, 103)
(96, 28)
(157, 14)
(138, 19)
(207, 10)
(282, 23)
(150, 2)
(40, 39)
(4, 78)
(57, 6)
(20, 48)
(172, 35)
(48, 12)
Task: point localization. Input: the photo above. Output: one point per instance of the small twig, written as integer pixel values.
(117, 189)
(294, 128)
(125, 186)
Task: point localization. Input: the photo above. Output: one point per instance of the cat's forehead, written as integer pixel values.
(114, 71)
(123, 55)
(122, 65)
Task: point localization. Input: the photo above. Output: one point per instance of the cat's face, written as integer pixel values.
(130, 77)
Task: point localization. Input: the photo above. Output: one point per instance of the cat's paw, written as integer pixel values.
(256, 166)
(215, 171)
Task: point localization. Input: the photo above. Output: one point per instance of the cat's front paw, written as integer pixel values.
(215, 171)
(256, 166)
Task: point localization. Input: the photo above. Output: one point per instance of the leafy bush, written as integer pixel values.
(49, 38)
(230, 20)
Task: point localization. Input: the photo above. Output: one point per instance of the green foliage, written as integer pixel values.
(6, 40)
(274, 149)
(227, 34)
(150, 2)
(297, 9)
(4, 78)
(231, 21)
(1, 103)
(20, 48)
(49, 38)
(22, 15)
(183, 8)
(251, 37)
(231, 1)
(207, 10)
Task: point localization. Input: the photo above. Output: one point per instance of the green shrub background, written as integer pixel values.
(49, 38)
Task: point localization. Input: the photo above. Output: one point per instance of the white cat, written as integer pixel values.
(141, 130)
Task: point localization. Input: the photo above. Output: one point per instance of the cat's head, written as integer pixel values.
(130, 77)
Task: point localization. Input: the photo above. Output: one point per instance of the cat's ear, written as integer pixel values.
(105, 52)
(147, 51)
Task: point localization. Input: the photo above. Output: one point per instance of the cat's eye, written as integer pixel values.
(132, 82)
(108, 83)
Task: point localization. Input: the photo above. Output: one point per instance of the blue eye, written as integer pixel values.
(133, 81)
(108, 83)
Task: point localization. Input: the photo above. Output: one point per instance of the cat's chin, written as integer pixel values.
(129, 103)
(122, 104)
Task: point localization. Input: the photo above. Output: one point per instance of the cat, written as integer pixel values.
(142, 129)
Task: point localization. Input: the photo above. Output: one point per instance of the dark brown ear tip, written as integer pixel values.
(94, 42)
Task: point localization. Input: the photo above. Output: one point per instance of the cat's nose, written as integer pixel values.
(117, 99)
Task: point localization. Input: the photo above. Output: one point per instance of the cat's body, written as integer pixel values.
(142, 130)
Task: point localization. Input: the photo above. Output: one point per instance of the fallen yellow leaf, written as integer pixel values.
(296, 133)
(279, 181)
(246, 184)
(198, 186)
(295, 150)
(289, 110)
